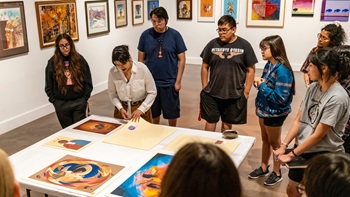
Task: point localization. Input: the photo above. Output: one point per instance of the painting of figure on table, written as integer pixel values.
(67, 143)
(96, 126)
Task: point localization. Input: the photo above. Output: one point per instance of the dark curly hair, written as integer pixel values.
(337, 34)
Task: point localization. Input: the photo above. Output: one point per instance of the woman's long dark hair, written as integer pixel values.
(74, 65)
(278, 52)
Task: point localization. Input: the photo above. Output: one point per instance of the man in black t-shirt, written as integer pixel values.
(230, 60)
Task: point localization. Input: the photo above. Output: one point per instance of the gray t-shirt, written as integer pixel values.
(228, 64)
(330, 108)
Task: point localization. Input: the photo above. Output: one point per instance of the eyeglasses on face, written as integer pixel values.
(223, 30)
(301, 188)
(159, 21)
(64, 46)
(319, 36)
(264, 48)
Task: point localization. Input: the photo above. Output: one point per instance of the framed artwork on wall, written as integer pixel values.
(335, 10)
(97, 17)
(184, 9)
(13, 31)
(151, 4)
(206, 10)
(137, 12)
(265, 13)
(54, 18)
(121, 13)
(303, 8)
(230, 7)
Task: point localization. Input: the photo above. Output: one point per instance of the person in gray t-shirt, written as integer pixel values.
(322, 117)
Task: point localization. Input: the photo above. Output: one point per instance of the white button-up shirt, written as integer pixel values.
(141, 86)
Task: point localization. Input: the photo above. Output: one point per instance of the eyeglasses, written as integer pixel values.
(223, 30)
(160, 21)
(64, 46)
(323, 38)
(301, 188)
(264, 48)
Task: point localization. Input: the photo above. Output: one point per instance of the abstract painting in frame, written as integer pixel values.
(151, 4)
(137, 12)
(265, 13)
(13, 31)
(97, 17)
(230, 7)
(184, 9)
(146, 181)
(121, 14)
(303, 8)
(206, 10)
(335, 10)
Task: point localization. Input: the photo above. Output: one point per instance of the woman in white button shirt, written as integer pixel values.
(131, 87)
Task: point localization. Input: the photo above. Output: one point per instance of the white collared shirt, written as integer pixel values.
(141, 86)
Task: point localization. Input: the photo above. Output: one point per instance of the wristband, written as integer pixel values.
(285, 144)
(295, 155)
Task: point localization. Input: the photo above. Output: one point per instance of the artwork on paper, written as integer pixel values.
(121, 18)
(67, 143)
(303, 8)
(206, 8)
(230, 7)
(79, 174)
(151, 4)
(184, 9)
(146, 181)
(97, 126)
(335, 10)
(228, 146)
(97, 17)
(137, 12)
(265, 13)
(141, 135)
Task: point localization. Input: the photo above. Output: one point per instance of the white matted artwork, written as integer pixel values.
(137, 12)
(230, 7)
(265, 13)
(206, 10)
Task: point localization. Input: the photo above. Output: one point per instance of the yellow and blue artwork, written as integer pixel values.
(146, 181)
(303, 8)
(230, 7)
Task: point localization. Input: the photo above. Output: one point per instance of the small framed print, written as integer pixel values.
(137, 12)
(184, 9)
(13, 31)
(121, 13)
(206, 10)
(97, 17)
(230, 7)
(151, 4)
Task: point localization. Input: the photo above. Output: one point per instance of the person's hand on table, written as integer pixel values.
(135, 116)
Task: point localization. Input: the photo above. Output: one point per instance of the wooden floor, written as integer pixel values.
(30, 133)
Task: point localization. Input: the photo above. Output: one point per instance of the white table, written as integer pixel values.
(36, 157)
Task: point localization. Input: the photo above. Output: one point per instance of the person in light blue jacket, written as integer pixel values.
(276, 88)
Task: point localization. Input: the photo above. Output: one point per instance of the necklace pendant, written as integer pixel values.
(160, 55)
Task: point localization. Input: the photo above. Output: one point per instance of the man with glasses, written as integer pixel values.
(162, 49)
(227, 74)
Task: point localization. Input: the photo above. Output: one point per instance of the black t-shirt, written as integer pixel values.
(228, 64)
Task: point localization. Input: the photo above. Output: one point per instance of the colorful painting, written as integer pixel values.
(83, 175)
(184, 9)
(146, 181)
(206, 10)
(266, 13)
(13, 33)
(54, 18)
(67, 143)
(121, 18)
(97, 17)
(335, 10)
(96, 126)
(137, 12)
(151, 4)
(303, 8)
(230, 7)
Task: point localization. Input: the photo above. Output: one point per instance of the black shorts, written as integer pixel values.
(296, 174)
(274, 121)
(168, 102)
(232, 111)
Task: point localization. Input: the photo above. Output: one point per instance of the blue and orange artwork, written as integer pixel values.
(230, 8)
(146, 181)
(77, 173)
(335, 10)
(303, 8)
(68, 143)
(266, 9)
(96, 126)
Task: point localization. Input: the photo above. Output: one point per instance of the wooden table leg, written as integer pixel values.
(28, 192)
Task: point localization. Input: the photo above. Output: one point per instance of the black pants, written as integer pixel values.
(70, 112)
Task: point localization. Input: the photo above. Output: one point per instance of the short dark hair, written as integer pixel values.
(328, 175)
(121, 54)
(200, 169)
(161, 13)
(227, 19)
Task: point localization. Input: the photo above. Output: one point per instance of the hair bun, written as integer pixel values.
(336, 23)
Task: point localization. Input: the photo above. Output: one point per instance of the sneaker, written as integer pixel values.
(259, 172)
(273, 179)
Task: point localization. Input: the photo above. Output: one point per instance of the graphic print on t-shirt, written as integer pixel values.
(227, 53)
(313, 111)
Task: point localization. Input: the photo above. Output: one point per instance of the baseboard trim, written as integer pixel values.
(28, 116)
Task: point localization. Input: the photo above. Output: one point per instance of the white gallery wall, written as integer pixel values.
(22, 78)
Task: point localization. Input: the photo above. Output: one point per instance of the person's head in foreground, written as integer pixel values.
(8, 185)
(327, 175)
(199, 169)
